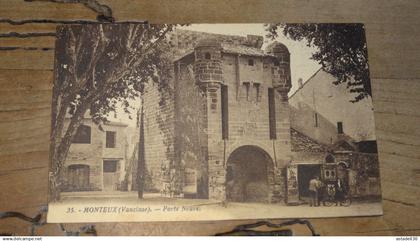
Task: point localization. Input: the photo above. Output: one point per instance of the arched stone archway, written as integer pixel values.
(249, 175)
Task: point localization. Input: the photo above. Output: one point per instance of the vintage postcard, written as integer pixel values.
(212, 122)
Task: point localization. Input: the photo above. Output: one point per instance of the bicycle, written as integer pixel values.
(331, 197)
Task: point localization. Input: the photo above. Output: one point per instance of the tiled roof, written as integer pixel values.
(242, 49)
(233, 49)
(301, 142)
(183, 43)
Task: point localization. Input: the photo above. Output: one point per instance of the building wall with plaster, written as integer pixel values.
(93, 154)
(333, 104)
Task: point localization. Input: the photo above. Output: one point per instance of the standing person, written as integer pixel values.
(313, 191)
(340, 191)
(320, 192)
(353, 182)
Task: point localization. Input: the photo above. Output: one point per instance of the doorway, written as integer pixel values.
(248, 168)
(305, 173)
(78, 177)
(110, 173)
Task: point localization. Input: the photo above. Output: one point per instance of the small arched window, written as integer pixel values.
(82, 135)
(207, 55)
(250, 62)
(329, 158)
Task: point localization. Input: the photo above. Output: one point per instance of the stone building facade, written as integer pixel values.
(343, 159)
(332, 138)
(320, 108)
(221, 129)
(97, 158)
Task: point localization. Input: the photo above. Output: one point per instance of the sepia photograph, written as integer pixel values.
(195, 122)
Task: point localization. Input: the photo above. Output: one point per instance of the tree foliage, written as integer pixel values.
(97, 68)
(341, 50)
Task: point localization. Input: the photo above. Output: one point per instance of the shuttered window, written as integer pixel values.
(110, 139)
(110, 165)
(316, 119)
(340, 127)
(245, 90)
(257, 92)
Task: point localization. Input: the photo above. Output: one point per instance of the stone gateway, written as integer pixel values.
(224, 117)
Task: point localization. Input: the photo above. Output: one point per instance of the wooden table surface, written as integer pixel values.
(393, 36)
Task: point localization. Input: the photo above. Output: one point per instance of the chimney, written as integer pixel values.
(300, 83)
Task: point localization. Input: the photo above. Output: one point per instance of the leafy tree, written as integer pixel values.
(341, 50)
(97, 67)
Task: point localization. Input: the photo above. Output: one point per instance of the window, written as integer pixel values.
(82, 135)
(110, 165)
(340, 127)
(329, 159)
(316, 119)
(213, 104)
(257, 92)
(246, 86)
(110, 139)
(225, 112)
(250, 62)
(207, 55)
(272, 114)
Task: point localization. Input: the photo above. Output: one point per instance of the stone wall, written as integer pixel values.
(159, 118)
(248, 117)
(248, 122)
(191, 127)
(158, 134)
(364, 177)
(197, 142)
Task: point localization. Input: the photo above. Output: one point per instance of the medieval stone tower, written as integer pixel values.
(224, 133)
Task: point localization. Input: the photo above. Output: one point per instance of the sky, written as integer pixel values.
(300, 63)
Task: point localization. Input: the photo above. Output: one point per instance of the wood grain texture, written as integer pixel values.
(393, 35)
